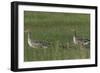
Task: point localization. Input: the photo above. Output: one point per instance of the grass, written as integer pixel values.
(56, 28)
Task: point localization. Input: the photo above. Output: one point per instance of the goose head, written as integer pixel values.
(28, 32)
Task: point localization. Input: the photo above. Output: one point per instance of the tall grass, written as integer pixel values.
(56, 28)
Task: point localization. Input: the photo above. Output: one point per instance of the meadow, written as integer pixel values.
(56, 28)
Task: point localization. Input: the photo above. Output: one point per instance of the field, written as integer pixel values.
(56, 28)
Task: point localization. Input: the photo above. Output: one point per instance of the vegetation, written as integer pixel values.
(56, 28)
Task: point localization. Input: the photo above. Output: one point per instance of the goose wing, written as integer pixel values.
(84, 41)
(40, 43)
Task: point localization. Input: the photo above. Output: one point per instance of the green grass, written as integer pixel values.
(55, 27)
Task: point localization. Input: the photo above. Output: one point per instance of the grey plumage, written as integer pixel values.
(80, 40)
(36, 43)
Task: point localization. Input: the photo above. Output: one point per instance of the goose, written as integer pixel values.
(36, 43)
(79, 40)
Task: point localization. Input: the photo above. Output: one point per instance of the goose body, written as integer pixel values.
(36, 43)
(79, 40)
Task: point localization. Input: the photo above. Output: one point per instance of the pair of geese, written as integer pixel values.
(44, 44)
